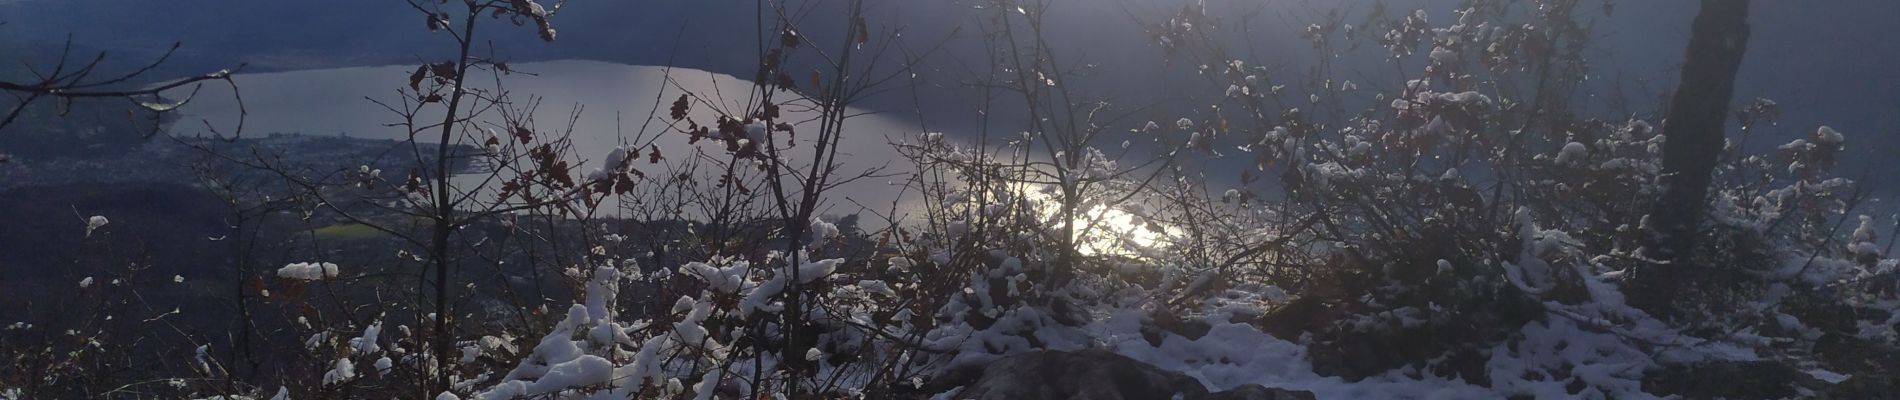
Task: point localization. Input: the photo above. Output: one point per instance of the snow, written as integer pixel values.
(1828, 136)
(203, 358)
(615, 163)
(1797, 144)
(1233, 354)
(822, 232)
(707, 384)
(816, 270)
(469, 353)
(878, 287)
(602, 290)
(755, 131)
(317, 339)
(1573, 154)
(559, 362)
(1862, 243)
(1827, 376)
(1864, 232)
(310, 271)
(1444, 55)
(342, 371)
(366, 344)
(899, 264)
(1465, 98)
(95, 223)
(1531, 272)
(1324, 174)
(583, 371)
(759, 299)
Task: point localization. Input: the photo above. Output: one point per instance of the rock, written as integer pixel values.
(1098, 375)
(1730, 379)
(1088, 374)
(1257, 392)
(1354, 339)
(1865, 387)
(1766, 379)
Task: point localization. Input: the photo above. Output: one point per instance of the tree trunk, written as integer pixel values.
(1693, 142)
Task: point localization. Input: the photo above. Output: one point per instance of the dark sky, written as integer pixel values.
(1832, 62)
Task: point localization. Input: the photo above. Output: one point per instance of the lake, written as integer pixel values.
(614, 102)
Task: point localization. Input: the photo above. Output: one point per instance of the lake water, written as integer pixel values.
(337, 102)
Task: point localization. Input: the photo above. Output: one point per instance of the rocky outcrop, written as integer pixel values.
(1729, 379)
(1763, 379)
(1099, 375)
(1257, 392)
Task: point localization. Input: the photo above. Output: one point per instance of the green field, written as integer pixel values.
(347, 231)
